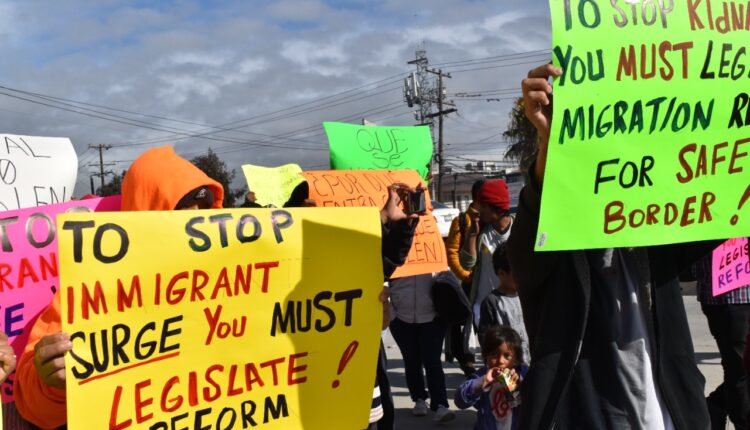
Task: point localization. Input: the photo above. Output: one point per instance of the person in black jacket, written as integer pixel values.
(610, 342)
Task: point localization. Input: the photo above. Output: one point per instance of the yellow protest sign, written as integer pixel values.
(272, 185)
(221, 319)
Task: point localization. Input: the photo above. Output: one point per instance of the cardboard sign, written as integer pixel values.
(272, 185)
(649, 141)
(356, 147)
(352, 188)
(254, 318)
(36, 171)
(29, 267)
(731, 266)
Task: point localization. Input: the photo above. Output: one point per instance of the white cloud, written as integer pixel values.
(327, 59)
(220, 62)
(208, 59)
(298, 10)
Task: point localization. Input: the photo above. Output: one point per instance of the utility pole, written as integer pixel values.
(418, 90)
(101, 173)
(440, 114)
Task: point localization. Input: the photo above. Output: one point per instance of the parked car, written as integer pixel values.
(444, 216)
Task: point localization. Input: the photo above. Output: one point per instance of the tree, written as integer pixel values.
(217, 170)
(521, 135)
(113, 187)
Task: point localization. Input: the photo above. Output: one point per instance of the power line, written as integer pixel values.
(495, 67)
(495, 58)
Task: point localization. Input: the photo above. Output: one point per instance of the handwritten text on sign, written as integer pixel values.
(362, 188)
(379, 148)
(731, 266)
(650, 136)
(232, 319)
(36, 171)
(29, 269)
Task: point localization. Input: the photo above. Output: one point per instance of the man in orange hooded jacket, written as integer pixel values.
(158, 180)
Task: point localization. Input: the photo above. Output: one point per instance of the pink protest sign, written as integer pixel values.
(731, 266)
(28, 267)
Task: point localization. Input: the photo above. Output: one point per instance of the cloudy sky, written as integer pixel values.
(254, 79)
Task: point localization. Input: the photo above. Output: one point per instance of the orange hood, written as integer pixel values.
(159, 178)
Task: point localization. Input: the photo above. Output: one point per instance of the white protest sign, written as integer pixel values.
(36, 171)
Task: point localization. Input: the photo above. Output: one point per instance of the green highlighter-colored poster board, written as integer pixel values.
(650, 137)
(355, 147)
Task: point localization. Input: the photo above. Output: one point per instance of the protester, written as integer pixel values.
(502, 306)
(610, 343)
(398, 229)
(486, 232)
(158, 180)
(418, 332)
(494, 389)
(456, 345)
(250, 201)
(727, 317)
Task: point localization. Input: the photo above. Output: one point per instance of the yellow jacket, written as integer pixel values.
(454, 242)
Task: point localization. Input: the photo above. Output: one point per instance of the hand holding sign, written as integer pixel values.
(537, 99)
(7, 357)
(49, 359)
(394, 210)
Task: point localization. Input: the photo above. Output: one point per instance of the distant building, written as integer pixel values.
(457, 185)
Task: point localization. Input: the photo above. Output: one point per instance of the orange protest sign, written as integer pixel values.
(356, 188)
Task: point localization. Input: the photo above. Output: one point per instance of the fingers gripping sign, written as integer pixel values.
(537, 99)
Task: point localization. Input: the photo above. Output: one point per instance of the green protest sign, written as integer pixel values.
(650, 139)
(272, 185)
(355, 147)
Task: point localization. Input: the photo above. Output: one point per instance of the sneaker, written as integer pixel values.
(420, 408)
(443, 415)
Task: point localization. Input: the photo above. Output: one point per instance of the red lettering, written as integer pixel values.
(176, 401)
(197, 286)
(232, 390)
(266, 272)
(217, 389)
(272, 364)
(687, 211)
(126, 299)
(292, 369)
(140, 403)
(97, 303)
(113, 424)
(613, 213)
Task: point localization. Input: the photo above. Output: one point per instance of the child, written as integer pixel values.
(495, 389)
(502, 306)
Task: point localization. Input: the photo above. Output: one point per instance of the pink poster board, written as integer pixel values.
(29, 269)
(731, 266)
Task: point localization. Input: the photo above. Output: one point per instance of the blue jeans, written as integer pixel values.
(421, 345)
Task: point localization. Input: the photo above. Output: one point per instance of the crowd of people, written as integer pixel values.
(588, 339)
